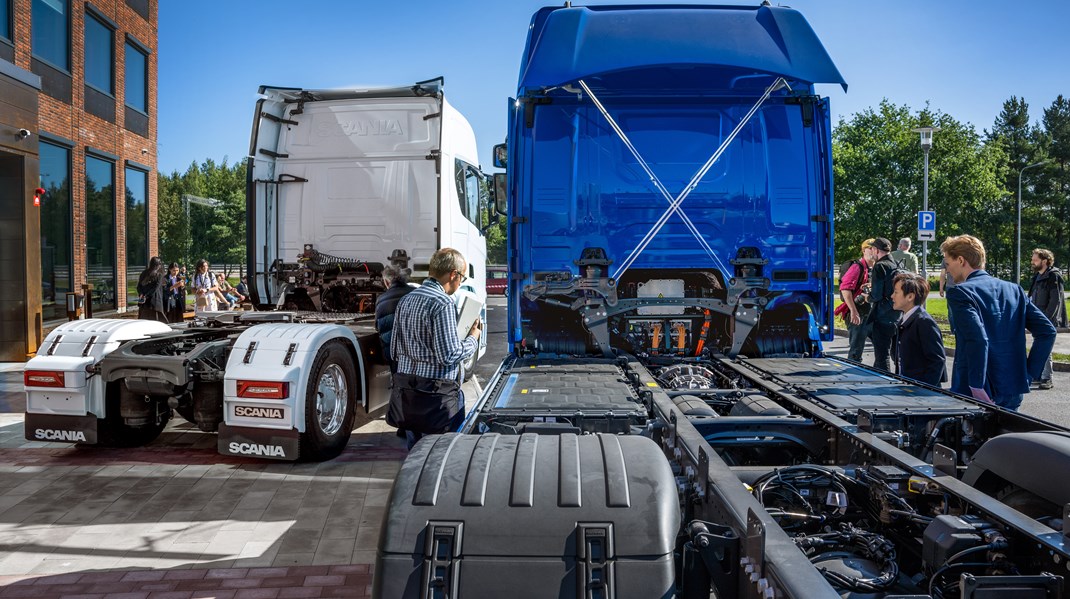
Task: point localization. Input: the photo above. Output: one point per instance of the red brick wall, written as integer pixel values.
(72, 122)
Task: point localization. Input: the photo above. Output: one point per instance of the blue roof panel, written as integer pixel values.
(567, 44)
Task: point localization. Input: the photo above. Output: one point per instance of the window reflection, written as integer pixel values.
(100, 231)
(99, 61)
(51, 35)
(136, 72)
(55, 230)
(137, 230)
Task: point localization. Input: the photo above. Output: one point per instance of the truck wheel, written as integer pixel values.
(330, 403)
(112, 431)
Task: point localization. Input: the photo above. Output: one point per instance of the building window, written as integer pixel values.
(137, 230)
(100, 231)
(55, 169)
(99, 55)
(137, 72)
(51, 36)
(5, 20)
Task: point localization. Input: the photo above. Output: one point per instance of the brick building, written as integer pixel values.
(77, 158)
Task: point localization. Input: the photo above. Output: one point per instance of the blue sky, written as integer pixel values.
(963, 57)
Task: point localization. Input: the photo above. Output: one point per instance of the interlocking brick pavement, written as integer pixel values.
(353, 580)
(176, 520)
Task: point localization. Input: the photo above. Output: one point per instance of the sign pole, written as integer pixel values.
(925, 208)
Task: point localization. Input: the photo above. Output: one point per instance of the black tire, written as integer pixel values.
(1027, 502)
(327, 432)
(112, 431)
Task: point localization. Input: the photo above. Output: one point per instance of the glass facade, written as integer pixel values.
(55, 168)
(136, 74)
(99, 55)
(51, 36)
(137, 230)
(100, 231)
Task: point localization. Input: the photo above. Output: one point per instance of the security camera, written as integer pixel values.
(23, 133)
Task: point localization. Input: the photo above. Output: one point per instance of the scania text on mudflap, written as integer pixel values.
(669, 199)
(341, 183)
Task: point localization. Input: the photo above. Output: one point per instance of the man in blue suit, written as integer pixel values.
(991, 317)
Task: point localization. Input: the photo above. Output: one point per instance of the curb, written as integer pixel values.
(950, 351)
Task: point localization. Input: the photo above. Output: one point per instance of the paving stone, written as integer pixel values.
(292, 559)
(257, 594)
(300, 593)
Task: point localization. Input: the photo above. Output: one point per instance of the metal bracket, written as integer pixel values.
(271, 117)
(267, 152)
(711, 556)
(702, 485)
(529, 103)
(945, 460)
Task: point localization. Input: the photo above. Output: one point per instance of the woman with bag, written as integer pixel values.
(152, 297)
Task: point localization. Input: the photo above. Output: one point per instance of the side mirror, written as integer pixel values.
(501, 193)
(501, 155)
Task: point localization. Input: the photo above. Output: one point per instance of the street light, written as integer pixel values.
(1018, 250)
(926, 145)
(188, 199)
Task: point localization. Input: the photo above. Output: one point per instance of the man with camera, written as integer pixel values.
(854, 290)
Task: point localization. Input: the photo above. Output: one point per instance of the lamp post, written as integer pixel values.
(1018, 245)
(188, 199)
(926, 145)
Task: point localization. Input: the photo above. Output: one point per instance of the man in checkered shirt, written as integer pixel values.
(426, 398)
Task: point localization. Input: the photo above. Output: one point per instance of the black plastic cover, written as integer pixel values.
(525, 508)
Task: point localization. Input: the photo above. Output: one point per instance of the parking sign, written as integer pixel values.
(926, 225)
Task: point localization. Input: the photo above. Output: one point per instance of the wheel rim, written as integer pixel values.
(331, 394)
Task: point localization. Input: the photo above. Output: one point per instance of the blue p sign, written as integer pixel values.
(927, 221)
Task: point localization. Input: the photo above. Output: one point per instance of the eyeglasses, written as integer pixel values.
(462, 275)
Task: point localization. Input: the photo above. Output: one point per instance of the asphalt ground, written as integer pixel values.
(176, 520)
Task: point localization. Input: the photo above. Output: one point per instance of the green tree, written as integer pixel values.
(1050, 204)
(214, 233)
(1022, 145)
(879, 171)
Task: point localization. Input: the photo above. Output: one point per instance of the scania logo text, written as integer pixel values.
(270, 451)
(257, 412)
(47, 434)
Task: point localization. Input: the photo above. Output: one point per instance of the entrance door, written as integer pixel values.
(13, 329)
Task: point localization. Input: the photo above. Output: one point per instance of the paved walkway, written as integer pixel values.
(176, 520)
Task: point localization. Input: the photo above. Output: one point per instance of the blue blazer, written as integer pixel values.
(991, 317)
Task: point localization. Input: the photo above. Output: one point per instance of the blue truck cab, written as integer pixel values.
(666, 424)
(670, 183)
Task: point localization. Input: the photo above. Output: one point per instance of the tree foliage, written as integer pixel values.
(879, 180)
(216, 234)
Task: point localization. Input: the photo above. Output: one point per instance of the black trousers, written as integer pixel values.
(883, 337)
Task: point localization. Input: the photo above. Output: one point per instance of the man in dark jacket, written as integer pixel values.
(882, 316)
(920, 344)
(397, 286)
(1046, 291)
(991, 318)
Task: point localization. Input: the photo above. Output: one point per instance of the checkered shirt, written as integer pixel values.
(425, 340)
